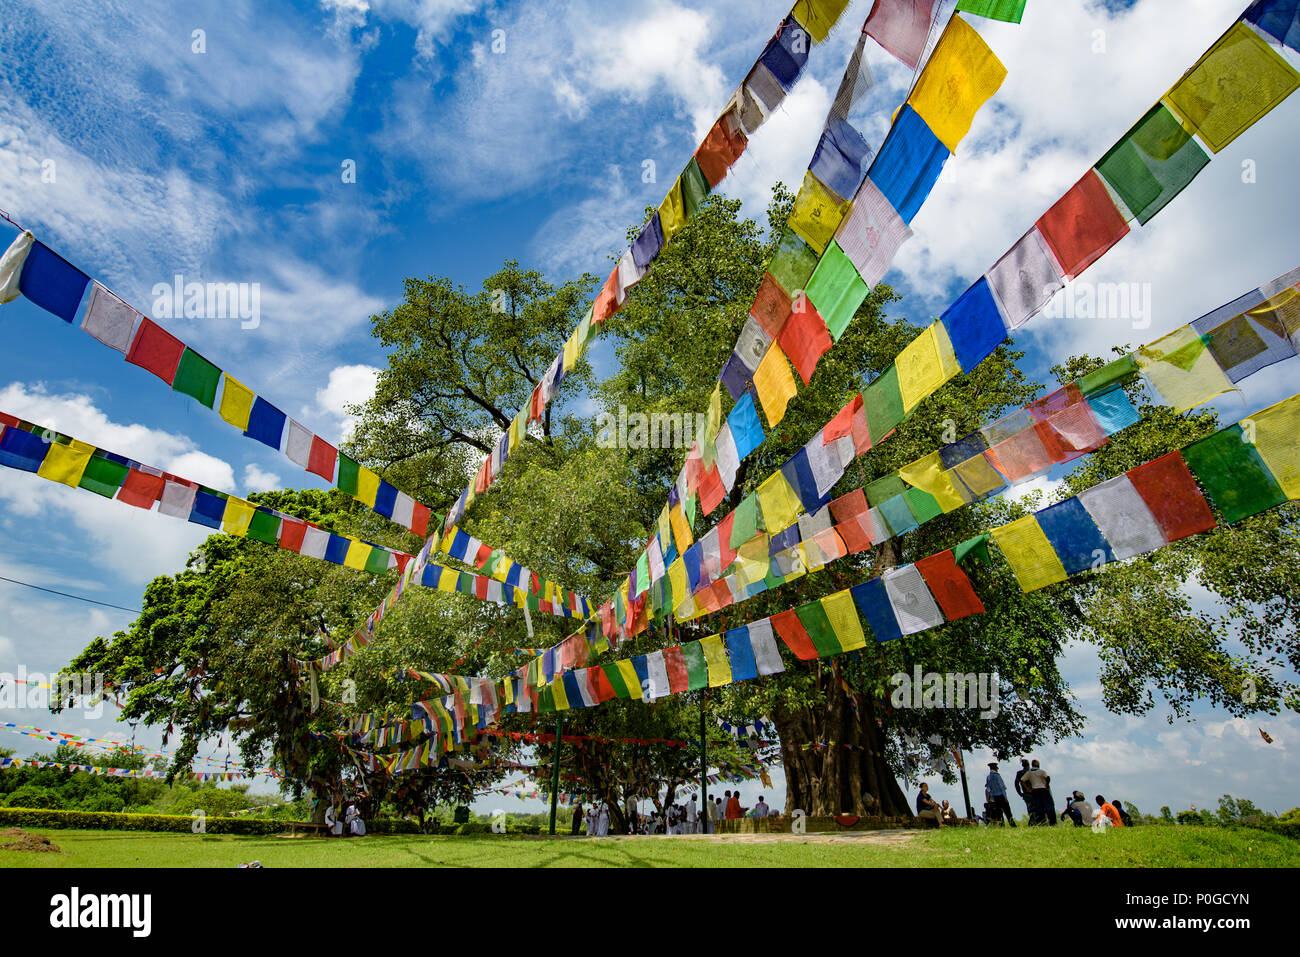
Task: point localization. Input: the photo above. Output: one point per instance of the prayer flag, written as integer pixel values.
(209, 510)
(818, 16)
(1277, 439)
(792, 631)
(65, 463)
(1153, 163)
(715, 657)
(1280, 19)
(1029, 553)
(11, 267)
(908, 164)
(924, 365)
(141, 489)
(265, 423)
(155, 350)
(781, 507)
(102, 476)
(52, 282)
(974, 325)
(836, 290)
(1171, 494)
(843, 619)
(1075, 537)
(1082, 225)
(883, 404)
(902, 27)
(817, 213)
(178, 500)
(1010, 11)
(929, 475)
(322, 458)
(109, 319)
(348, 474)
(197, 378)
(646, 246)
(771, 306)
(264, 526)
(237, 515)
(721, 147)
(913, 605)
(774, 384)
(1113, 410)
(804, 339)
(1236, 82)
(960, 76)
(1025, 279)
(793, 262)
(740, 652)
(236, 403)
(787, 53)
(950, 586)
(818, 628)
(697, 668)
(874, 606)
(1233, 474)
(872, 233)
(22, 450)
(297, 444)
(1182, 370)
(837, 162)
(1123, 518)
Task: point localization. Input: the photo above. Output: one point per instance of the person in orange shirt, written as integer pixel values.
(734, 809)
(1108, 809)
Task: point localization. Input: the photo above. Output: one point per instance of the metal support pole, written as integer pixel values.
(555, 775)
(704, 767)
(961, 765)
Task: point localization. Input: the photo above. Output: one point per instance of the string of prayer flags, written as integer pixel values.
(1255, 330)
(1238, 80)
(1152, 163)
(1182, 370)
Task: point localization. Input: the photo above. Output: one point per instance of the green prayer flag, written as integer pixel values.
(883, 404)
(616, 681)
(264, 527)
(1233, 475)
(697, 668)
(836, 290)
(1121, 370)
(793, 262)
(348, 472)
(746, 523)
(642, 574)
(922, 505)
(1152, 164)
(103, 476)
(377, 561)
(197, 378)
(695, 188)
(885, 488)
(814, 619)
(1009, 11)
(976, 548)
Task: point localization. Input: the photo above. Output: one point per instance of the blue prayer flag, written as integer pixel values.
(52, 282)
(746, 430)
(266, 423)
(873, 603)
(974, 325)
(908, 164)
(1074, 536)
(740, 652)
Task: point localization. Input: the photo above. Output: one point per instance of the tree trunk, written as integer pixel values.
(833, 779)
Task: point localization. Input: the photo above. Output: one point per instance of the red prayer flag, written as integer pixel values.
(483, 554)
(771, 307)
(842, 424)
(805, 339)
(721, 148)
(322, 458)
(1082, 225)
(156, 350)
(856, 533)
(725, 550)
(712, 491)
(950, 586)
(1058, 401)
(849, 506)
(140, 489)
(794, 634)
(420, 520)
(675, 665)
(607, 302)
(598, 681)
(1170, 491)
(292, 533)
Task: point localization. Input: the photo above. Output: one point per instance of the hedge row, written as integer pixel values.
(174, 823)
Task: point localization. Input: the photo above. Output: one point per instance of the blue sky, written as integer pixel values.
(482, 131)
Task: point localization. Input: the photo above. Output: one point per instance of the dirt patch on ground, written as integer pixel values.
(16, 839)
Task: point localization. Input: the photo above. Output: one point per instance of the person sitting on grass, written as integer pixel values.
(948, 812)
(1108, 809)
(1123, 814)
(927, 808)
(332, 822)
(1078, 810)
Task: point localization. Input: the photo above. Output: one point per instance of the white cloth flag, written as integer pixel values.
(824, 461)
(109, 319)
(404, 510)
(810, 526)
(913, 605)
(711, 555)
(766, 653)
(879, 527)
(629, 274)
(727, 458)
(901, 27)
(656, 676)
(752, 343)
(872, 233)
(314, 542)
(177, 500)
(298, 445)
(11, 266)
(656, 560)
(1123, 517)
(1025, 279)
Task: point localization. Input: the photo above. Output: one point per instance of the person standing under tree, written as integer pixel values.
(995, 793)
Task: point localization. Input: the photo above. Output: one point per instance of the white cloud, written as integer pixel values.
(257, 479)
(347, 386)
(204, 469)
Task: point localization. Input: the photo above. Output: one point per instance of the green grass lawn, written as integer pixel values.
(966, 847)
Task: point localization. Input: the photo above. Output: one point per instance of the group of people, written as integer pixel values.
(676, 819)
(1034, 786)
(348, 823)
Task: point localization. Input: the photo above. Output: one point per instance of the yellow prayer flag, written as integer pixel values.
(1239, 79)
(978, 475)
(715, 656)
(672, 211)
(66, 463)
(357, 554)
(817, 213)
(236, 403)
(630, 678)
(753, 560)
(561, 699)
(775, 384)
(235, 519)
(818, 16)
(1029, 554)
(842, 613)
(1277, 438)
(926, 363)
(681, 530)
(928, 475)
(572, 350)
(1183, 370)
(957, 80)
(677, 580)
(367, 487)
(665, 528)
(448, 579)
(780, 504)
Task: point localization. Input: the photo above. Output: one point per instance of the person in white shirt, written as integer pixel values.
(602, 822)
(761, 809)
(355, 824)
(332, 822)
(692, 817)
(710, 816)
